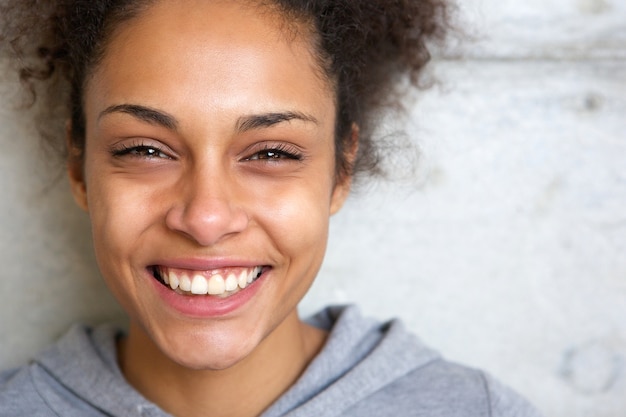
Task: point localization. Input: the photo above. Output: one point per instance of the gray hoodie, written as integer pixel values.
(366, 368)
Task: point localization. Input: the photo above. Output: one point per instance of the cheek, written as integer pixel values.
(119, 214)
(297, 218)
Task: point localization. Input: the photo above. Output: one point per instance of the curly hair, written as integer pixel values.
(364, 47)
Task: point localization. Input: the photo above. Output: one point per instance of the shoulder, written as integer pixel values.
(58, 380)
(465, 389)
(19, 395)
(442, 388)
(505, 402)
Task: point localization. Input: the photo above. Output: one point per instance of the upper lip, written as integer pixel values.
(206, 264)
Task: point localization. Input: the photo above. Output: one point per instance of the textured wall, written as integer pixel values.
(506, 252)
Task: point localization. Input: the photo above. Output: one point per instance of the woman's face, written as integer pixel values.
(209, 162)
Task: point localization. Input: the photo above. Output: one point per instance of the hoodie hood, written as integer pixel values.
(84, 362)
(361, 356)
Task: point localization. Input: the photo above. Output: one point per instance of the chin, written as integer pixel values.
(208, 349)
(209, 360)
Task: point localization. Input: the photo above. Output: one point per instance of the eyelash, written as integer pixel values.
(269, 152)
(140, 150)
(274, 152)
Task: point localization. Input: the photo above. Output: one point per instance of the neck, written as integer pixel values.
(243, 390)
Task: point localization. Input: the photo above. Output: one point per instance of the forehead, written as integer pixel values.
(180, 48)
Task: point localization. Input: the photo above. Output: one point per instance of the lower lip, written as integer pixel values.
(207, 306)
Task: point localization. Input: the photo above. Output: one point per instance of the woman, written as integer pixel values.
(210, 142)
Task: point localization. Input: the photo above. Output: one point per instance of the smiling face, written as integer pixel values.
(208, 168)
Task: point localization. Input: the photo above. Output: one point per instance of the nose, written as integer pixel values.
(206, 209)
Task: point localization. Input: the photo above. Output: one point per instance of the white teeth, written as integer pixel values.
(199, 285)
(216, 285)
(185, 283)
(253, 274)
(231, 282)
(174, 281)
(243, 280)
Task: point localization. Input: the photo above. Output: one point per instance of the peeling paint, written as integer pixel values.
(593, 102)
(592, 368)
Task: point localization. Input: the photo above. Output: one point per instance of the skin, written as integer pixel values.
(199, 188)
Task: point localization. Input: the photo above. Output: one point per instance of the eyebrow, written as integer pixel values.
(143, 113)
(244, 123)
(258, 121)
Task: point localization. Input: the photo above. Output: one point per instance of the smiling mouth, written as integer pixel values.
(220, 283)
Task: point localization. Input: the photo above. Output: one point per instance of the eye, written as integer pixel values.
(276, 152)
(140, 151)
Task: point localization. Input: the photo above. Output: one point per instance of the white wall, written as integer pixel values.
(506, 253)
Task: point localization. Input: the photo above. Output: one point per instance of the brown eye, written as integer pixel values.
(141, 151)
(274, 153)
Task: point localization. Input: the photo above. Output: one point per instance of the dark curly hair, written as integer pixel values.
(364, 47)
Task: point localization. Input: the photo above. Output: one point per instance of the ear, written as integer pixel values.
(75, 170)
(344, 183)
